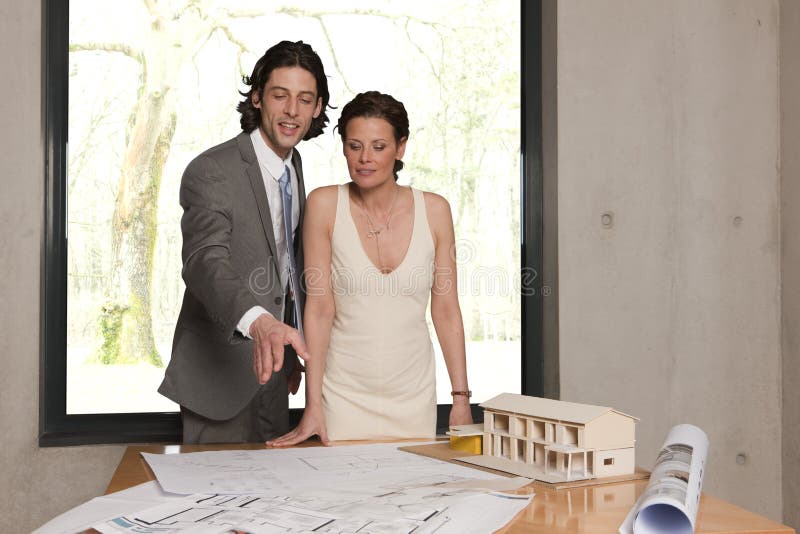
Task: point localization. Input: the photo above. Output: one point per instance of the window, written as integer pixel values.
(112, 253)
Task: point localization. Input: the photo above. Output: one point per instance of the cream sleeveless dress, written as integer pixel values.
(380, 378)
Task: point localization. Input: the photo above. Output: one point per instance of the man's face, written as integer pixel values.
(288, 104)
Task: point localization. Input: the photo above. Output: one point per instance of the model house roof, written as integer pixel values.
(571, 412)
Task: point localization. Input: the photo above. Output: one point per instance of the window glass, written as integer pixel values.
(152, 84)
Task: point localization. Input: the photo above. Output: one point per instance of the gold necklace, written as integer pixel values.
(372, 232)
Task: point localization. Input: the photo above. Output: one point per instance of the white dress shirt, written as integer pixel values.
(271, 170)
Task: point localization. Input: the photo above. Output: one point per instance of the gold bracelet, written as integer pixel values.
(467, 393)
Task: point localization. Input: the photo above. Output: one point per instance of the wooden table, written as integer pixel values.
(593, 509)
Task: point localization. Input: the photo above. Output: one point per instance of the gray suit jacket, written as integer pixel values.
(229, 266)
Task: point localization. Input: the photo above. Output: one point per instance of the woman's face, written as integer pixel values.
(371, 150)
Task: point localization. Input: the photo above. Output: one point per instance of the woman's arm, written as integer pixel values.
(319, 311)
(445, 311)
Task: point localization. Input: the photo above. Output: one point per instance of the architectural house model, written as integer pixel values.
(555, 441)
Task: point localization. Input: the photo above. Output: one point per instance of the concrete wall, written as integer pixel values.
(36, 484)
(669, 228)
(790, 253)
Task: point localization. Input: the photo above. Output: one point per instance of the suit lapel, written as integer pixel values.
(298, 242)
(301, 186)
(259, 192)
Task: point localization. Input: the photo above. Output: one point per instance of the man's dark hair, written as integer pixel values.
(375, 105)
(284, 54)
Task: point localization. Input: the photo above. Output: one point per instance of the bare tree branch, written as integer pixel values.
(226, 31)
(297, 12)
(333, 52)
(233, 39)
(107, 47)
(191, 5)
(421, 51)
(397, 19)
(244, 14)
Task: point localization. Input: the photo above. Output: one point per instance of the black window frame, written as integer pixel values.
(57, 428)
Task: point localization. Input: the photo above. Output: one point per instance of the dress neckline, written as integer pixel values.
(361, 242)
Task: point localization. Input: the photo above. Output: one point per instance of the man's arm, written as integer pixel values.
(206, 226)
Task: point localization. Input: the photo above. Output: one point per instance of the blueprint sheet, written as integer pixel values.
(333, 490)
(131, 500)
(278, 471)
(223, 514)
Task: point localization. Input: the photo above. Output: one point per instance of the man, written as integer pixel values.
(229, 371)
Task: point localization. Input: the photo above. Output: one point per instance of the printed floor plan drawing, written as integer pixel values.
(277, 471)
(204, 514)
(331, 490)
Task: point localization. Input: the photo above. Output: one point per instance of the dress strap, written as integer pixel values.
(344, 221)
(421, 218)
(343, 199)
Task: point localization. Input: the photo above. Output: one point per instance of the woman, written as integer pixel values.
(374, 253)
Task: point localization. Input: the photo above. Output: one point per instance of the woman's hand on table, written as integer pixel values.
(312, 423)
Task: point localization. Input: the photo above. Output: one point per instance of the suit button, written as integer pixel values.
(278, 301)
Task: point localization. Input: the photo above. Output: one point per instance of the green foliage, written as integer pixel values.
(138, 339)
(155, 358)
(110, 320)
(120, 331)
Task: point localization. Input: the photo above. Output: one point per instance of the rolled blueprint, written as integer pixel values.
(670, 501)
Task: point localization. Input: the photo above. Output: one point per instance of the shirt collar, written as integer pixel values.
(267, 158)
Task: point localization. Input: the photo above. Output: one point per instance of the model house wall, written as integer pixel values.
(559, 438)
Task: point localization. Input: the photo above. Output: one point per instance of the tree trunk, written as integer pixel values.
(175, 34)
(126, 316)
